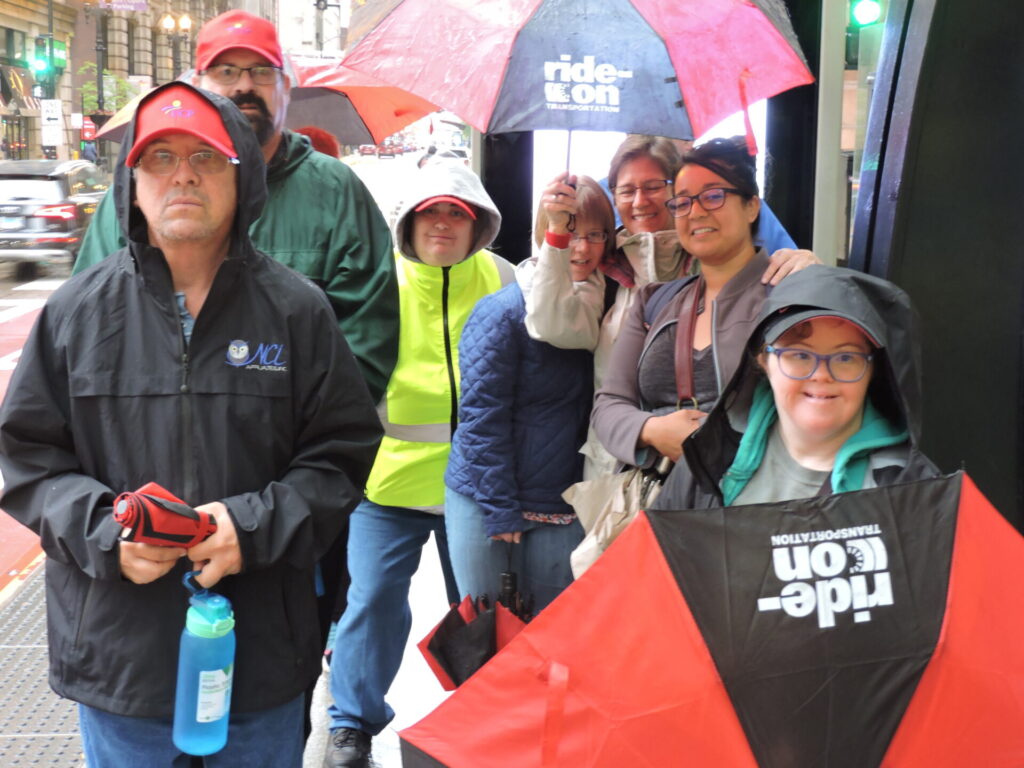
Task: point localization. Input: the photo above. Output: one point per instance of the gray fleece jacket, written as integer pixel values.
(618, 417)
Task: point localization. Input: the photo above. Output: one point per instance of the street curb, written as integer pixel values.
(14, 580)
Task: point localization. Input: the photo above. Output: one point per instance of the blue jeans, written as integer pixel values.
(540, 559)
(384, 547)
(265, 739)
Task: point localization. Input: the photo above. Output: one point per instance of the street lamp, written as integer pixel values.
(177, 32)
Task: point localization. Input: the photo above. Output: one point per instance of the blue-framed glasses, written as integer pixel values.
(800, 364)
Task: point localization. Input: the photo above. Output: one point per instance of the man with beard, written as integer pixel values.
(319, 219)
(191, 360)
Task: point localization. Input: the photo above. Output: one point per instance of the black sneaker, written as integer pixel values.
(348, 748)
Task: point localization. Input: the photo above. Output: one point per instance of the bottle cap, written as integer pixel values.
(210, 615)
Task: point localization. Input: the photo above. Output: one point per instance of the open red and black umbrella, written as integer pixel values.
(355, 107)
(642, 66)
(881, 627)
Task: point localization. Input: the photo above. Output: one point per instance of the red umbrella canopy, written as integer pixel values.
(880, 627)
(383, 108)
(642, 66)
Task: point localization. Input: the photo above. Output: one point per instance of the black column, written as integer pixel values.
(791, 134)
(507, 173)
(941, 216)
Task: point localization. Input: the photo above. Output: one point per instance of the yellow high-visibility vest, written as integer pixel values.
(420, 407)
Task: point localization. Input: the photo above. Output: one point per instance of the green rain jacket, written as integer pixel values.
(321, 221)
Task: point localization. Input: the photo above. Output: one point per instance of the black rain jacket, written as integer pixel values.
(264, 410)
(895, 389)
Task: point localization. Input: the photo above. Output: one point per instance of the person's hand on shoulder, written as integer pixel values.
(220, 554)
(786, 261)
(144, 563)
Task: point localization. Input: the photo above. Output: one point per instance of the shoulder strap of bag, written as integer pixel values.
(684, 345)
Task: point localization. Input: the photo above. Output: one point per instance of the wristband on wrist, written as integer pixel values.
(557, 241)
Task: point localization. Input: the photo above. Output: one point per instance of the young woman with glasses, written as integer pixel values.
(523, 415)
(827, 401)
(657, 389)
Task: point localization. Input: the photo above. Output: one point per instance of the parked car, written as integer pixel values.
(453, 154)
(367, 149)
(45, 207)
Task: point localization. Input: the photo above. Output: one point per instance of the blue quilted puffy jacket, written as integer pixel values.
(523, 415)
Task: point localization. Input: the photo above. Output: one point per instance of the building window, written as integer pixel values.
(12, 47)
(152, 56)
(132, 48)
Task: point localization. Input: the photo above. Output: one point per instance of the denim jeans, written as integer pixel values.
(271, 738)
(540, 559)
(384, 547)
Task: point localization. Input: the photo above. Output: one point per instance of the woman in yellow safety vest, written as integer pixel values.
(441, 234)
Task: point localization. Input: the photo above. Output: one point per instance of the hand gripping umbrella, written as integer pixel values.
(881, 627)
(154, 515)
(642, 66)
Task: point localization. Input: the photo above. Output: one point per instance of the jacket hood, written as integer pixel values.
(454, 180)
(654, 257)
(251, 176)
(881, 308)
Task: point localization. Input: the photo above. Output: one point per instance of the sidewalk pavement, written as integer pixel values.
(38, 728)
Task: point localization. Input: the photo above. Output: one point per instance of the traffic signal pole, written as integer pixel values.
(51, 78)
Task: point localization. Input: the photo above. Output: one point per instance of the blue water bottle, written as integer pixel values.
(206, 660)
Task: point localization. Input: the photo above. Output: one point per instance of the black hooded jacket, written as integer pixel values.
(264, 409)
(895, 390)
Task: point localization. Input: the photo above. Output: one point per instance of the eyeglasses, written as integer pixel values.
(228, 74)
(206, 162)
(653, 187)
(710, 200)
(596, 237)
(800, 364)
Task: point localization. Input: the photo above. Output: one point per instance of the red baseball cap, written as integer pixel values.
(447, 199)
(179, 108)
(237, 29)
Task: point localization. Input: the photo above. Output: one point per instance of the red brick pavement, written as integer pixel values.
(19, 547)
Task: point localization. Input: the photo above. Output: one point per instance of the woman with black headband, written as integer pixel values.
(683, 340)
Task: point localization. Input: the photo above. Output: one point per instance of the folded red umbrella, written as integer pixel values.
(154, 515)
(466, 638)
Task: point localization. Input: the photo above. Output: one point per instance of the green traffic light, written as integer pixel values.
(40, 65)
(866, 12)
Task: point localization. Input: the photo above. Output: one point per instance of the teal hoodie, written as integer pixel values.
(851, 463)
(722, 456)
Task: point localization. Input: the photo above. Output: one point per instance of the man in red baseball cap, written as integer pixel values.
(192, 360)
(238, 56)
(319, 218)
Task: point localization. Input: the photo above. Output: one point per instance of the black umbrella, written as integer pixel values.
(471, 633)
